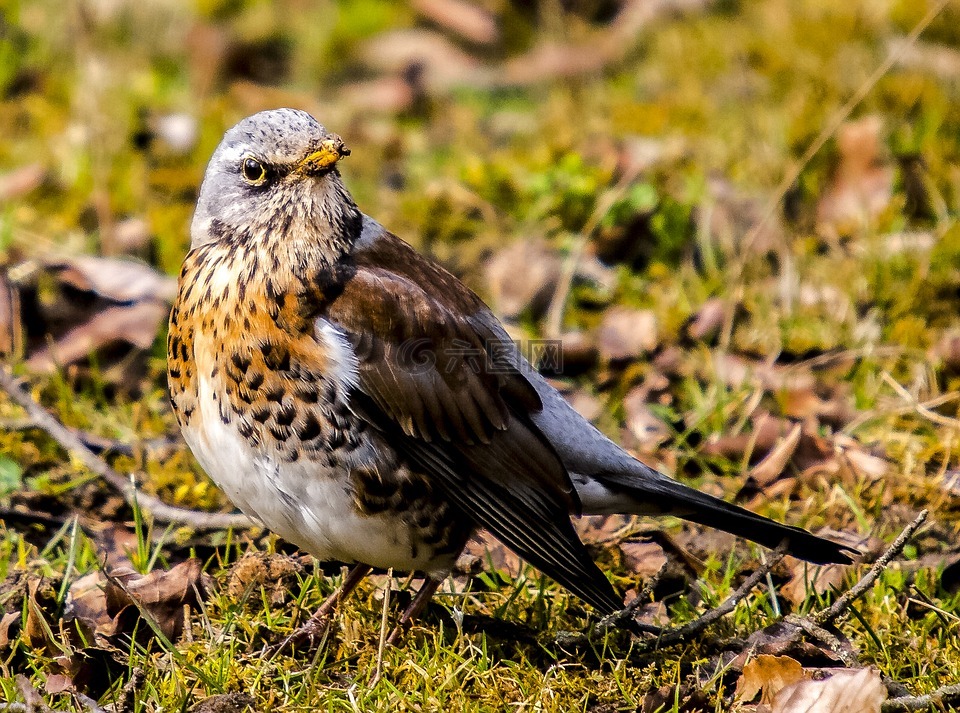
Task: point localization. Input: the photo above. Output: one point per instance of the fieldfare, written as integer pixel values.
(361, 402)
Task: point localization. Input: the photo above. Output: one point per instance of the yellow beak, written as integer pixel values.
(330, 151)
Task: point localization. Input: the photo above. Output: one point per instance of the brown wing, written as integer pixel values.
(437, 380)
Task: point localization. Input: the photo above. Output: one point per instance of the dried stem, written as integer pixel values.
(940, 698)
(674, 636)
(74, 445)
(828, 615)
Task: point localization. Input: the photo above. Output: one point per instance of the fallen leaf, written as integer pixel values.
(682, 699)
(774, 463)
(21, 181)
(443, 64)
(846, 691)
(728, 215)
(6, 625)
(643, 559)
(585, 404)
(136, 324)
(767, 675)
(520, 276)
(160, 594)
(709, 319)
(114, 279)
(464, 19)
(578, 352)
(644, 425)
(41, 603)
(862, 184)
(627, 333)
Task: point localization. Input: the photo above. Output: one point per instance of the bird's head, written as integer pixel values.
(274, 177)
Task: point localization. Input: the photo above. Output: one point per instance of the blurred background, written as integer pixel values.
(738, 216)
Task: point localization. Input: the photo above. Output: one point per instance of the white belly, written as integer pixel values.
(304, 502)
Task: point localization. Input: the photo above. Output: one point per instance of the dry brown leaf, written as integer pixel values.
(86, 605)
(225, 703)
(927, 57)
(41, 601)
(58, 683)
(21, 181)
(579, 353)
(846, 691)
(585, 404)
(737, 372)
(686, 699)
(162, 594)
(627, 333)
(389, 95)
(729, 214)
(115, 279)
(767, 675)
(862, 185)
(649, 429)
(774, 463)
(807, 579)
(443, 64)
(135, 324)
(709, 319)
(947, 350)
(522, 275)
(465, 19)
(6, 624)
(643, 559)
(861, 462)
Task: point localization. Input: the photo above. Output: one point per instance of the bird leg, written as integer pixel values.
(316, 626)
(419, 603)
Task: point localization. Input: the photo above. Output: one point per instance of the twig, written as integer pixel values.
(829, 638)
(681, 633)
(96, 443)
(88, 703)
(553, 326)
(76, 447)
(624, 618)
(940, 698)
(826, 616)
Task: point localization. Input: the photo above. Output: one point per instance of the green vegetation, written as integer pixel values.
(705, 113)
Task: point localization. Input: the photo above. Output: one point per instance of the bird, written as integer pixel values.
(361, 402)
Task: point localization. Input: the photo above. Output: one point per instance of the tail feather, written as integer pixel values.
(651, 491)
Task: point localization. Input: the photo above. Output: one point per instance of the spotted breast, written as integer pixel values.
(260, 382)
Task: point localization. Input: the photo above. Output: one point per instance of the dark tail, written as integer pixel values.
(655, 493)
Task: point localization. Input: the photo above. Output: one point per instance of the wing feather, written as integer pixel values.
(437, 380)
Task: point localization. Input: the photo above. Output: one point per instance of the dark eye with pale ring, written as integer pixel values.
(253, 171)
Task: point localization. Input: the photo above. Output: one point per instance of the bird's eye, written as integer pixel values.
(253, 171)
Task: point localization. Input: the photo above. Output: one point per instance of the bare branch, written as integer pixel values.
(826, 616)
(674, 636)
(74, 445)
(942, 697)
